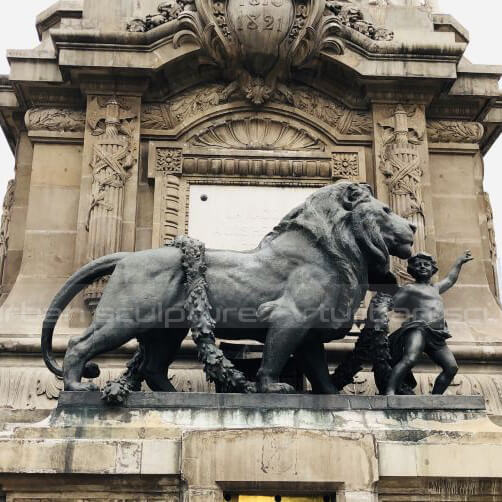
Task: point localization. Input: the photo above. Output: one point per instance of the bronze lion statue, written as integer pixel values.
(297, 290)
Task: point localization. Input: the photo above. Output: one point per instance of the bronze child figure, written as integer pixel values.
(426, 329)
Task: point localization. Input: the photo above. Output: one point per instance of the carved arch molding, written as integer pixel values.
(194, 138)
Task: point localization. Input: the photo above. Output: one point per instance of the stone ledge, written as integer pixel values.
(90, 456)
(180, 400)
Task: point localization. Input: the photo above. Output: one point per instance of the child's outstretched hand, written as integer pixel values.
(466, 257)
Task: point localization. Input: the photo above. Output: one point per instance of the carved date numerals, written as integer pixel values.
(257, 22)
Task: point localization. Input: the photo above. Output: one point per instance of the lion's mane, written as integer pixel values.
(349, 235)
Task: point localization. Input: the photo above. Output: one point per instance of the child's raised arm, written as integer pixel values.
(452, 277)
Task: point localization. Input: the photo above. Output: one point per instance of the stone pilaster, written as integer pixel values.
(166, 166)
(17, 199)
(402, 170)
(109, 181)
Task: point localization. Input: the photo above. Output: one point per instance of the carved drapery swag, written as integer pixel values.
(114, 153)
(401, 166)
(4, 225)
(257, 43)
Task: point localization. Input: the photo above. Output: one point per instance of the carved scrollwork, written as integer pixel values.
(55, 119)
(454, 131)
(258, 43)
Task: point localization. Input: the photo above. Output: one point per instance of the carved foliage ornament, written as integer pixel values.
(114, 124)
(55, 119)
(449, 131)
(402, 133)
(345, 165)
(185, 106)
(170, 160)
(182, 107)
(113, 152)
(257, 43)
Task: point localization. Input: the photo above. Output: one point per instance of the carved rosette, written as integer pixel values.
(114, 154)
(401, 166)
(346, 166)
(169, 166)
(454, 131)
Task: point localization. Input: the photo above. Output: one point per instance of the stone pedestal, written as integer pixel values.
(199, 447)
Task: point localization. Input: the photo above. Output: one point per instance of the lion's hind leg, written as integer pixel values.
(95, 341)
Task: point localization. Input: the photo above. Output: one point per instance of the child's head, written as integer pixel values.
(422, 266)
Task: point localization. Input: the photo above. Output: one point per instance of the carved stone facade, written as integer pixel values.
(113, 124)
(55, 119)
(200, 100)
(125, 129)
(346, 165)
(169, 167)
(443, 131)
(401, 166)
(8, 202)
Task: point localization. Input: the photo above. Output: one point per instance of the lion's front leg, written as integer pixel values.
(286, 333)
(312, 358)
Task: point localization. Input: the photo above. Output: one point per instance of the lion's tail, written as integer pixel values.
(76, 283)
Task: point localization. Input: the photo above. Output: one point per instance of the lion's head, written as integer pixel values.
(351, 224)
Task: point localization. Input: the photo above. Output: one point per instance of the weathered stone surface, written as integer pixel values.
(161, 400)
(357, 455)
(330, 128)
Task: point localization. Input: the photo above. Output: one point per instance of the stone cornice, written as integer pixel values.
(448, 23)
(96, 39)
(55, 13)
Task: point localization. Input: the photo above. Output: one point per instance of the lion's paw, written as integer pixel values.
(277, 388)
(81, 387)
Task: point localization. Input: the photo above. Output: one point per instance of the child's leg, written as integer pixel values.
(414, 345)
(446, 360)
